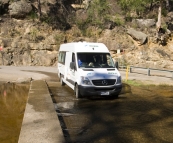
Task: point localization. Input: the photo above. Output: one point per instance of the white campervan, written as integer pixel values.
(88, 69)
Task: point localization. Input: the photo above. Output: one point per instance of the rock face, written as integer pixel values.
(31, 43)
(27, 41)
(27, 44)
(19, 8)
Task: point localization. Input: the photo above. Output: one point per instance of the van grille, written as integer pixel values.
(104, 82)
(104, 89)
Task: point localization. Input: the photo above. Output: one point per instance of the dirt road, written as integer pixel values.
(25, 73)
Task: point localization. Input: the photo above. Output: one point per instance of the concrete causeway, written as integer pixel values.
(40, 122)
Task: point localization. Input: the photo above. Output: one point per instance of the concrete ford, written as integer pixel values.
(88, 69)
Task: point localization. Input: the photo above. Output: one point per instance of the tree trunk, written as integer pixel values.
(158, 24)
(39, 9)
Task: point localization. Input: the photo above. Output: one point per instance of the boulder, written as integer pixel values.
(4, 2)
(170, 15)
(137, 35)
(144, 22)
(19, 9)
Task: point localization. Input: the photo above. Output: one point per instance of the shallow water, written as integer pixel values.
(13, 98)
(141, 114)
(147, 110)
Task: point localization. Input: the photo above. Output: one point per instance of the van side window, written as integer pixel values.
(61, 57)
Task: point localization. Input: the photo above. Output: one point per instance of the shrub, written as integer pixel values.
(59, 38)
(33, 15)
(34, 34)
(97, 14)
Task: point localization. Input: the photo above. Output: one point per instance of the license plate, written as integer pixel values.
(104, 93)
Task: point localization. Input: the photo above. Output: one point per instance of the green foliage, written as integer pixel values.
(46, 19)
(33, 15)
(137, 6)
(82, 25)
(133, 82)
(164, 26)
(132, 5)
(34, 34)
(144, 84)
(164, 11)
(116, 19)
(97, 12)
(59, 38)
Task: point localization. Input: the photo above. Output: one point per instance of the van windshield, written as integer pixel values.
(95, 60)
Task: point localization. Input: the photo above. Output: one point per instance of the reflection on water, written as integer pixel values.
(12, 106)
(66, 105)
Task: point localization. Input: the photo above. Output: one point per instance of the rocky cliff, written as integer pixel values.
(28, 38)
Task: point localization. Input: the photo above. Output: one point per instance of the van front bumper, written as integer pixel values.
(100, 91)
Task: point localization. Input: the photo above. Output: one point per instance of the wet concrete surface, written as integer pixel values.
(13, 98)
(40, 123)
(140, 114)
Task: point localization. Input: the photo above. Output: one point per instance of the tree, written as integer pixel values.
(140, 5)
(131, 6)
(158, 24)
(98, 12)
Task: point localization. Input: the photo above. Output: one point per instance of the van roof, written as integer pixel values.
(84, 47)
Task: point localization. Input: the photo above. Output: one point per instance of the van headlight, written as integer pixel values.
(119, 80)
(85, 80)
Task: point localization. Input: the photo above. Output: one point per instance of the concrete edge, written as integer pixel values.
(40, 122)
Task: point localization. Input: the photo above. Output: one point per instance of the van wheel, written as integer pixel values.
(77, 93)
(61, 81)
(116, 96)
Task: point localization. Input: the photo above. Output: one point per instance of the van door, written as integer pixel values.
(61, 63)
(69, 73)
(73, 71)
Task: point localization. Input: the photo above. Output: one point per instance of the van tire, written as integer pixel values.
(116, 96)
(77, 92)
(61, 81)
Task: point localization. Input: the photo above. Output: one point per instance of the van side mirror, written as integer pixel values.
(72, 65)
